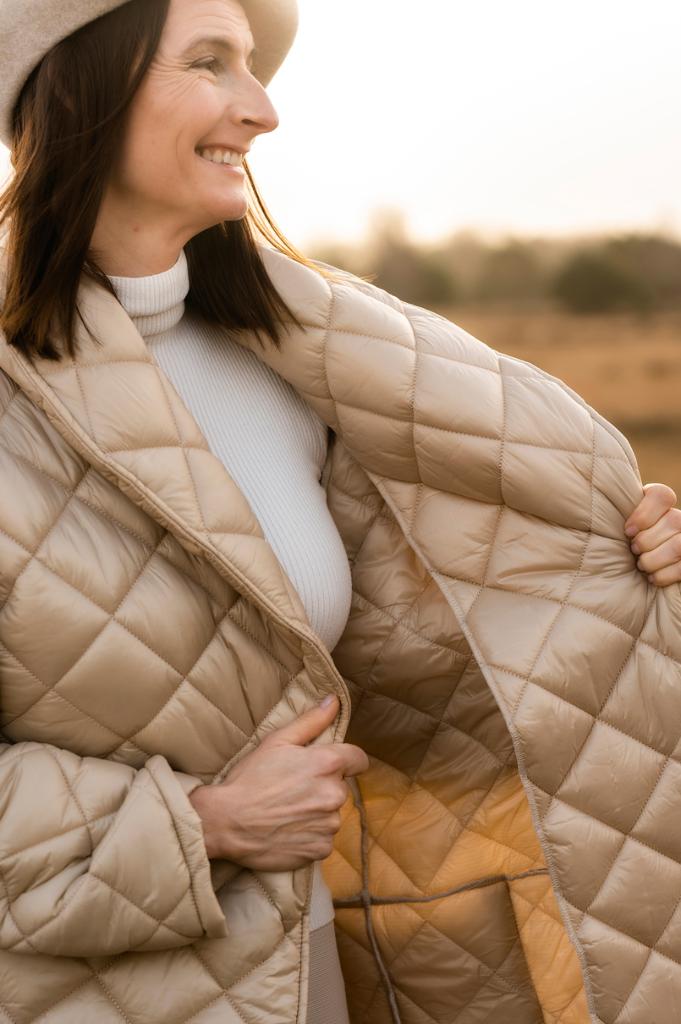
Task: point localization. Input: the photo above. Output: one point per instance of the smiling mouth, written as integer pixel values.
(216, 155)
(222, 166)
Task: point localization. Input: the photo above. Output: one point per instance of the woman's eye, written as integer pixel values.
(211, 63)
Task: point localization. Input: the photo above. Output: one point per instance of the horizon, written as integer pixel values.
(545, 151)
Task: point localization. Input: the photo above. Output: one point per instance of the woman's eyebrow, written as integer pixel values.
(218, 41)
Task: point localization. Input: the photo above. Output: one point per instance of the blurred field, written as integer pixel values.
(626, 366)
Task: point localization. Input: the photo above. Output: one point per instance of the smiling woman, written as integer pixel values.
(120, 185)
(188, 100)
(221, 556)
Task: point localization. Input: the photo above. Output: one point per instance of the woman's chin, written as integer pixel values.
(226, 207)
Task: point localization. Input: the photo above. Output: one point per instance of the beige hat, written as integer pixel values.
(29, 28)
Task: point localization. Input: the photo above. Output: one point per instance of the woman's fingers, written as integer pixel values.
(341, 759)
(663, 530)
(306, 727)
(665, 577)
(667, 556)
(654, 531)
(658, 499)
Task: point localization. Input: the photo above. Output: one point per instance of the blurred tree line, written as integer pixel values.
(629, 272)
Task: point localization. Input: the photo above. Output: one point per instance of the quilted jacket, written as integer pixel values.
(513, 854)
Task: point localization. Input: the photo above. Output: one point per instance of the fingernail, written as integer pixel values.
(328, 700)
(636, 548)
(631, 531)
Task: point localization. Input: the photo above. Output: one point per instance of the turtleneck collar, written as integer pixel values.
(155, 303)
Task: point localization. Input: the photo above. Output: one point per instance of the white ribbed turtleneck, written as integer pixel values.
(269, 440)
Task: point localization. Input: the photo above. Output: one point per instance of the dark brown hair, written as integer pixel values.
(69, 123)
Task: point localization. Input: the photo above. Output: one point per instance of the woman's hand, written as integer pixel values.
(654, 531)
(278, 808)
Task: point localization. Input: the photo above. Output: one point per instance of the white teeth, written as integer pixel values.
(222, 156)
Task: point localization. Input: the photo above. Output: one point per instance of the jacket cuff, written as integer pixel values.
(175, 788)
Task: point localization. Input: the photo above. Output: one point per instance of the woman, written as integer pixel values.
(174, 762)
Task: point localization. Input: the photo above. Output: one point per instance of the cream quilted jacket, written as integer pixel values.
(513, 855)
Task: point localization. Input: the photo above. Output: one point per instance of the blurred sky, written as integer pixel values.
(524, 116)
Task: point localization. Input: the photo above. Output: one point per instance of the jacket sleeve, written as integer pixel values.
(97, 858)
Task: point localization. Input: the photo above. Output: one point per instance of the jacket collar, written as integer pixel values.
(116, 407)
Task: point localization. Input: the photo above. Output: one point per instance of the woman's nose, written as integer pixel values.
(257, 109)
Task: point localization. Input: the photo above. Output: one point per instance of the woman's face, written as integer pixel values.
(196, 96)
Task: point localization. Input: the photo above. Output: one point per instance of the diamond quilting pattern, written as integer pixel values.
(459, 818)
(656, 993)
(658, 887)
(650, 682)
(120, 636)
(572, 469)
(490, 475)
(664, 805)
(610, 749)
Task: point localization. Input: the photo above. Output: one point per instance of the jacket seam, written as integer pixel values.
(479, 437)
(63, 832)
(160, 922)
(457, 655)
(186, 679)
(225, 992)
(466, 824)
(52, 689)
(56, 693)
(364, 690)
(105, 514)
(494, 977)
(30, 937)
(575, 576)
(555, 600)
(249, 632)
(625, 836)
(325, 343)
(110, 618)
(501, 508)
(112, 1000)
(253, 740)
(438, 723)
(86, 821)
(189, 532)
(646, 945)
(33, 553)
(596, 718)
(112, 959)
(86, 408)
(10, 1017)
(10, 905)
(412, 407)
(80, 984)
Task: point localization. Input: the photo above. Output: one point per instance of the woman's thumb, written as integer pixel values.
(310, 724)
